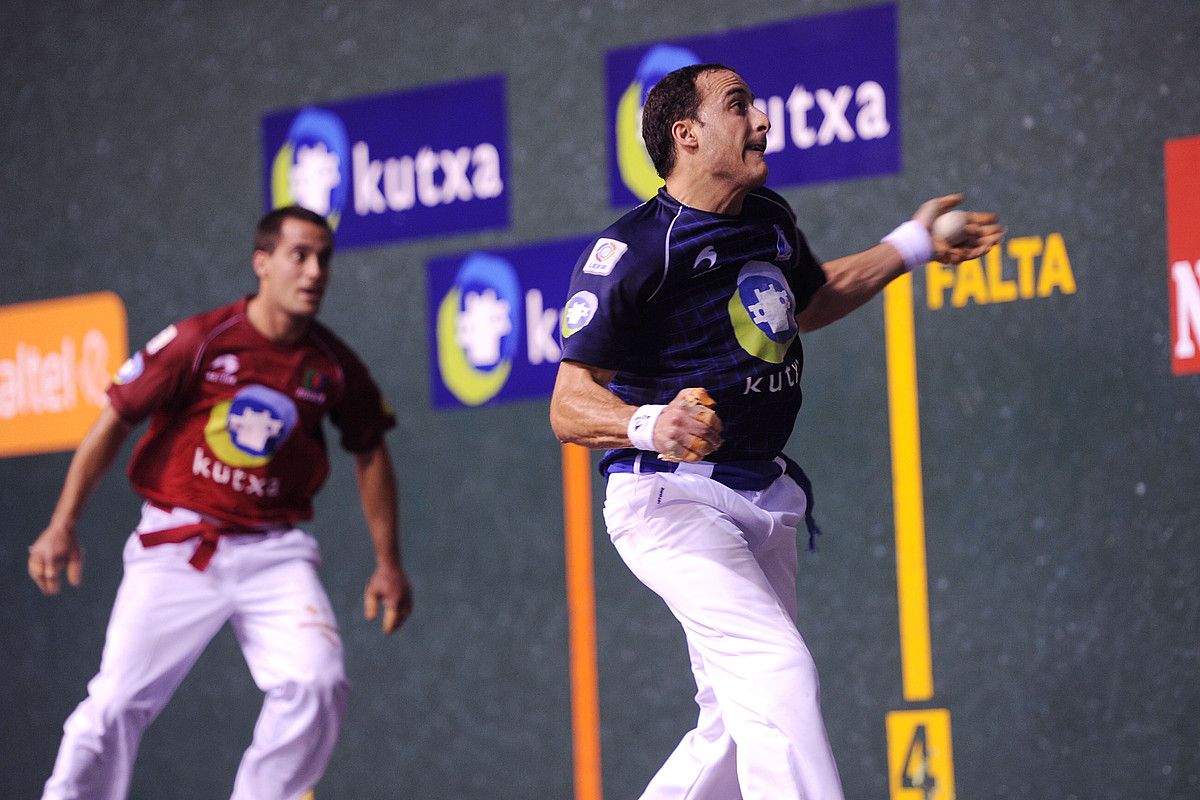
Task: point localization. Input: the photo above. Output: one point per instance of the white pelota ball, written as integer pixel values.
(951, 226)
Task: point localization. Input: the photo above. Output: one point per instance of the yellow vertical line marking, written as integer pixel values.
(581, 611)
(908, 497)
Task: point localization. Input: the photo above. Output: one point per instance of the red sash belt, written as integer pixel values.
(209, 533)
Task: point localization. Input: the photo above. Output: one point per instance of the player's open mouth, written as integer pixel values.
(757, 147)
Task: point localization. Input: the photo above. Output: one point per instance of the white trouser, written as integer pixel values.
(725, 563)
(166, 613)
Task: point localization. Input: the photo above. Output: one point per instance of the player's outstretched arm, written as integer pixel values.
(583, 411)
(853, 280)
(388, 585)
(57, 546)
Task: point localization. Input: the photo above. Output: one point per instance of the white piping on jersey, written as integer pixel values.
(212, 335)
(666, 253)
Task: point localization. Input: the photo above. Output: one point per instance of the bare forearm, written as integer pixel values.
(388, 585)
(377, 491)
(850, 282)
(855, 279)
(584, 412)
(91, 460)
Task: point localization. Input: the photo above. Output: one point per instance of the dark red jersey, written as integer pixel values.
(235, 419)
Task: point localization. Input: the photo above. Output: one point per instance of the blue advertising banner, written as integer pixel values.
(427, 161)
(828, 84)
(494, 322)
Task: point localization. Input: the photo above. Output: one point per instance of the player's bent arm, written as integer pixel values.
(388, 583)
(57, 546)
(583, 411)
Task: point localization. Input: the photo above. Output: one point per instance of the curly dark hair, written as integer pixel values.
(266, 233)
(673, 98)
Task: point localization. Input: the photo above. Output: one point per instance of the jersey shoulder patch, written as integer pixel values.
(604, 256)
(161, 339)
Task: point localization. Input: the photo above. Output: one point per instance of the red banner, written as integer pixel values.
(1181, 158)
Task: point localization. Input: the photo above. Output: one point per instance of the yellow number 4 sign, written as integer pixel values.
(920, 759)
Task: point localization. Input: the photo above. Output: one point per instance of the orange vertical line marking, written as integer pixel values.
(581, 612)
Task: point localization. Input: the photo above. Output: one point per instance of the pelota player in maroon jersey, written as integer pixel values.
(228, 467)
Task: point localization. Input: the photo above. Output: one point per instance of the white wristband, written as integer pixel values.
(641, 427)
(913, 241)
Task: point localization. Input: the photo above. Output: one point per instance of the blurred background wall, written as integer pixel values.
(1059, 449)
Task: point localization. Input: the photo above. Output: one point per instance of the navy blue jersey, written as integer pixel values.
(670, 297)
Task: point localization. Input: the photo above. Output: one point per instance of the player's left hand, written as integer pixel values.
(690, 419)
(53, 551)
(981, 233)
(388, 586)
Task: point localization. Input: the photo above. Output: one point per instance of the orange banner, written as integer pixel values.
(56, 359)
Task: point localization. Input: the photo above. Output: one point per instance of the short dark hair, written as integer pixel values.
(266, 233)
(673, 98)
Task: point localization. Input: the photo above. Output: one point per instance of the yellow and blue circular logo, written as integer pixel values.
(633, 162)
(763, 312)
(131, 370)
(578, 312)
(248, 429)
(312, 167)
(478, 325)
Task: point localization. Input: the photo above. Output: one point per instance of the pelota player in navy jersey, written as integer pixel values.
(682, 357)
(665, 305)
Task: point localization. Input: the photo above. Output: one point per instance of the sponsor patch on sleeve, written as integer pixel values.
(605, 256)
(161, 339)
(578, 312)
(130, 371)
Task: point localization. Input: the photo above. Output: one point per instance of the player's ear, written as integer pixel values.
(259, 262)
(683, 133)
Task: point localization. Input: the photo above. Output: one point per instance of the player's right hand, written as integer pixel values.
(53, 550)
(688, 429)
(981, 233)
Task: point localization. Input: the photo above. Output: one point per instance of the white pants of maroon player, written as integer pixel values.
(166, 613)
(725, 562)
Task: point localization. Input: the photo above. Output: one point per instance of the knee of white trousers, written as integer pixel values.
(109, 707)
(777, 687)
(294, 738)
(322, 691)
(318, 701)
(793, 675)
(798, 661)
